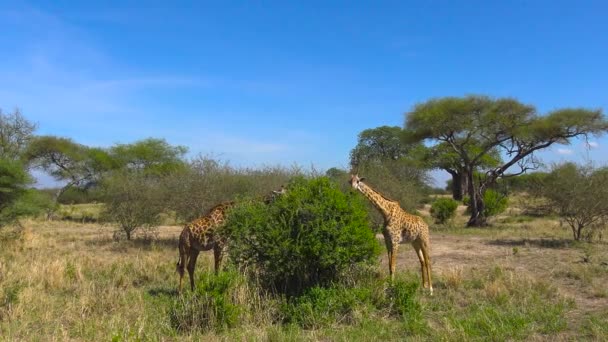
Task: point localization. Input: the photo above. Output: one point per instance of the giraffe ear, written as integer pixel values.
(361, 179)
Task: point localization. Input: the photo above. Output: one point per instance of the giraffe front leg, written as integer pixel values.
(218, 254)
(393, 261)
(423, 269)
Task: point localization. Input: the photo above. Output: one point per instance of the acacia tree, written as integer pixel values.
(443, 157)
(391, 143)
(378, 144)
(150, 156)
(392, 166)
(473, 126)
(67, 161)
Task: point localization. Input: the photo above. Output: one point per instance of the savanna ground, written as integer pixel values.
(523, 278)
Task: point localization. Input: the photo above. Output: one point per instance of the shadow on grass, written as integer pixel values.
(541, 243)
(163, 292)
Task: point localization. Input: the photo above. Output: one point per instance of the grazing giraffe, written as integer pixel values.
(199, 235)
(400, 226)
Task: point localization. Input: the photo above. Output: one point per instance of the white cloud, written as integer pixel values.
(564, 151)
(591, 144)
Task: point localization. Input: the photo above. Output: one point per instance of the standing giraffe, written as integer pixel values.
(199, 235)
(400, 226)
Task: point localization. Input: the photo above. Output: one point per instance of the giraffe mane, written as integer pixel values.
(381, 194)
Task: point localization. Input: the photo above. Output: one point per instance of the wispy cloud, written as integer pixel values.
(564, 151)
(591, 144)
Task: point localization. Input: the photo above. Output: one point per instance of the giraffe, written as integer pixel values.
(199, 235)
(399, 226)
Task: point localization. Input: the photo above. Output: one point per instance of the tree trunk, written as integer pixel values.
(577, 232)
(128, 234)
(464, 189)
(476, 204)
(456, 186)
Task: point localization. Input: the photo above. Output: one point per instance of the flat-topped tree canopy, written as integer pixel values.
(475, 126)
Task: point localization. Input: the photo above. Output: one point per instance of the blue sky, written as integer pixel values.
(283, 82)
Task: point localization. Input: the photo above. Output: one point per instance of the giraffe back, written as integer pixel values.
(201, 231)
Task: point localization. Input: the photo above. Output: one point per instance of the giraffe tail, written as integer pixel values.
(182, 259)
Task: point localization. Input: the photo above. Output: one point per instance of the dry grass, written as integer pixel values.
(63, 280)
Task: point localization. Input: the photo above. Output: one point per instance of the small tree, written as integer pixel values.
(133, 201)
(16, 132)
(309, 236)
(578, 194)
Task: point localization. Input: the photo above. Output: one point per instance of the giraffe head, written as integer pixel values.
(281, 191)
(274, 194)
(355, 181)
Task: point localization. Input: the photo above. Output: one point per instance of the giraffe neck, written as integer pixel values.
(382, 203)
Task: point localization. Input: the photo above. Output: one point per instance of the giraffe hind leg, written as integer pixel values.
(191, 266)
(426, 253)
(418, 247)
(181, 265)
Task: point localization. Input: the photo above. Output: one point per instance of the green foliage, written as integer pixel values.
(475, 126)
(443, 209)
(398, 180)
(133, 201)
(151, 156)
(320, 307)
(307, 237)
(495, 203)
(16, 199)
(379, 144)
(210, 307)
(76, 195)
(325, 306)
(578, 195)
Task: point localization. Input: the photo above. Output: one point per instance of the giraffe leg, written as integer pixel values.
(183, 259)
(393, 261)
(218, 254)
(418, 247)
(426, 249)
(191, 266)
(181, 265)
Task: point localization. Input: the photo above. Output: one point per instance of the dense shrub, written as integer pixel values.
(495, 203)
(307, 237)
(443, 209)
(343, 304)
(16, 198)
(211, 307)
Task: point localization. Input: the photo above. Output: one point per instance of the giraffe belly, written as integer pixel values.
(408, 235)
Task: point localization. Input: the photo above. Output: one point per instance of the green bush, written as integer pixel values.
(443, 209)
(210, 307)
(320, 307)
(495, 203)
(370, 298)
(307, 237)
